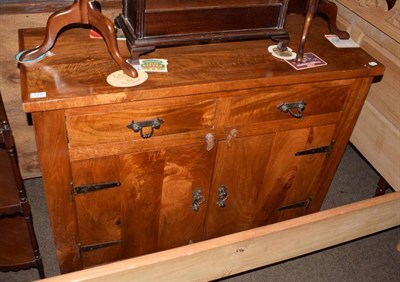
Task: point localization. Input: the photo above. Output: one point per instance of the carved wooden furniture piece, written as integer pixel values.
(18, 245)
(226, 141)
(148, 24)
(84, 12)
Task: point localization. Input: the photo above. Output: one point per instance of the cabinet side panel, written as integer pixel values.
(52, 146)
(351, 111)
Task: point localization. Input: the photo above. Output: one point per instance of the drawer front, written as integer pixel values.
(139, 120)
(262, 105)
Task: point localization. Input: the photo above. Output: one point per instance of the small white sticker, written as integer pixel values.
(38, 95)
(373, 64)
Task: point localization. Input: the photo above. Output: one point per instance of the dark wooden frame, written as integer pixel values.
(24, 249)
(147, 28)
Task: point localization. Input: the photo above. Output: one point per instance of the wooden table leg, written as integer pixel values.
(85, 12)
(311, 10)
(329, 9)
(325, 8)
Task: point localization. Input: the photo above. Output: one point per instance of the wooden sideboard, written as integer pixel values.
(225, 159)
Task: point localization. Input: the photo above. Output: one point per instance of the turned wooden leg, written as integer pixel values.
(311, 9)
(329, 9)
(85, 12)
(55, 23)
(382, 187)
(106, 28)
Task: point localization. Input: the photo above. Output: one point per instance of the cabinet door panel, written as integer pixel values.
(158, 193)
(291, 179)
(97, 211)
(240, 167)
(263, 174)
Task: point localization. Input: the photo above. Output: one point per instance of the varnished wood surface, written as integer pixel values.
(247, 63)
(223, 87)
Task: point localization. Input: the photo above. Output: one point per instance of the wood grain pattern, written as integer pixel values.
(58, 186)
(111, 126)
(225, 87)
(260, 105)
(158, 193)
(225, 63)
(241, 166)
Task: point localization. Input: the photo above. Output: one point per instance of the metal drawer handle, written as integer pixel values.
(294, 109)
(222, 196)
(138, 126)
(198, 199)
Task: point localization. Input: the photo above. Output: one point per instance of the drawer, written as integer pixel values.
(138, 120)
(261, 105)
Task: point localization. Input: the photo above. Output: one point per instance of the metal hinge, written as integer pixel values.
(93, 187)
(318, 150)
(93, 247)
(304, 204)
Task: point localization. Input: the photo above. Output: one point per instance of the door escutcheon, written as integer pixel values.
(222, 196)
(198, 199)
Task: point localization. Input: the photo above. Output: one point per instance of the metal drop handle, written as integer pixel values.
(294, 109)
(198, 199)
(222, 196)
(138, 126)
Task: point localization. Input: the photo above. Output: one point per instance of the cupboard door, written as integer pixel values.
(149, 207)
(263, 177)
(240, 167)
(293, 173)
(158, 189)
(97, 193)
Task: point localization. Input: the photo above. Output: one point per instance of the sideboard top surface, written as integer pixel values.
(71, 78)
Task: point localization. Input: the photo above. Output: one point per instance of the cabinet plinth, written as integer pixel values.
(229, 139)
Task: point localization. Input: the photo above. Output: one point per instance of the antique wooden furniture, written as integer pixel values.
(227, 140)
(148, 24)
(18, 245)
(83, 12)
